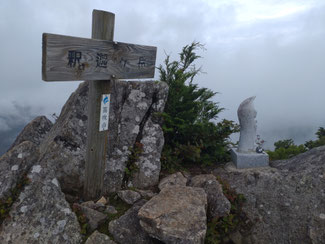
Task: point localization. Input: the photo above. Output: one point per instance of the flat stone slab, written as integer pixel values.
(249, 160)
(177, 215)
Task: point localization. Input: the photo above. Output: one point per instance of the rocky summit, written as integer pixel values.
(42, 177)
(286, 201)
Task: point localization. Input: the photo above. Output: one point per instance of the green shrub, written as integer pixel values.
(320, 133)
(285, 149)
(284, 144)
(285, 153)
(319, 142)
(220, 229)
(131, 166)
(191, 136)
(6, 203)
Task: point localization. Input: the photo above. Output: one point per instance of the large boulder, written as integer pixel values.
(54, 156)
(127, 229)
(41, 214)
(218, 204)
(148, 164)
(63, 149)
(176, 215)
(14, 164)
(286, 201)
(132, 120)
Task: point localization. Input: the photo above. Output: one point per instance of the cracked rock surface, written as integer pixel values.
(41, 214)
(54, 158)
(133, 118)
(218, 204)
(286, 202)
(35, 131)
(14, 164)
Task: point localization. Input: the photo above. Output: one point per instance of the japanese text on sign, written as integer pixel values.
(101, 60)
(74, 57)
(104, 112)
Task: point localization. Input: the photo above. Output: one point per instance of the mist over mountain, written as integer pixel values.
(12, 120)
(298, 134)
(273, 50)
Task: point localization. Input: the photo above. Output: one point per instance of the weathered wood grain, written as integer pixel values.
(73, 58)
(102, 28)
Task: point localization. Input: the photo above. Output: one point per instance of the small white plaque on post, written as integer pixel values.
(104, 112)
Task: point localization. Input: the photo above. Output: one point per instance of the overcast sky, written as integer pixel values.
(271, 49)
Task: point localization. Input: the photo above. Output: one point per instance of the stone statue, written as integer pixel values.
(246, 115)
(247, 155)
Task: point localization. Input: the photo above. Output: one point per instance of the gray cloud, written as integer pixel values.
(280, 60)
(283, 68)
(13, 119)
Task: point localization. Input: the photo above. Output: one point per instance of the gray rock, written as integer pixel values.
(110, 210)
(134, 105)
(99, 238)
(132, 119)
(89, 204)
(127, 229)
(176, 179)
(152, 140)
(71, 198)
(285, 203)
(100, 206)
(64, 147)
(305, 162)
(129, 196)
(236, 238)
(41, 214)
(94, 218)
(14, 164)
(96, 206)
(146, 193)
(35, 131)
(218, 204)
(176, 215)
(316, 229)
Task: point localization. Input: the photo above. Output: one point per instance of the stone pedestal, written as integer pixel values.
(249, 160)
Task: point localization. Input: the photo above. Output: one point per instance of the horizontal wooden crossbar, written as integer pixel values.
(67, 58)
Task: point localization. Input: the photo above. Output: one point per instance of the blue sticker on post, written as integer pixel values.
(104, 112)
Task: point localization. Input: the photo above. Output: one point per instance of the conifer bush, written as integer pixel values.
(285, 149)
(319, 142)
(191, 134)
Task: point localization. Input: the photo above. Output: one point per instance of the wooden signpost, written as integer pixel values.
(73, 58)
(98, 60)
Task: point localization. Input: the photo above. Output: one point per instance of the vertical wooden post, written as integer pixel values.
(102, 28)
